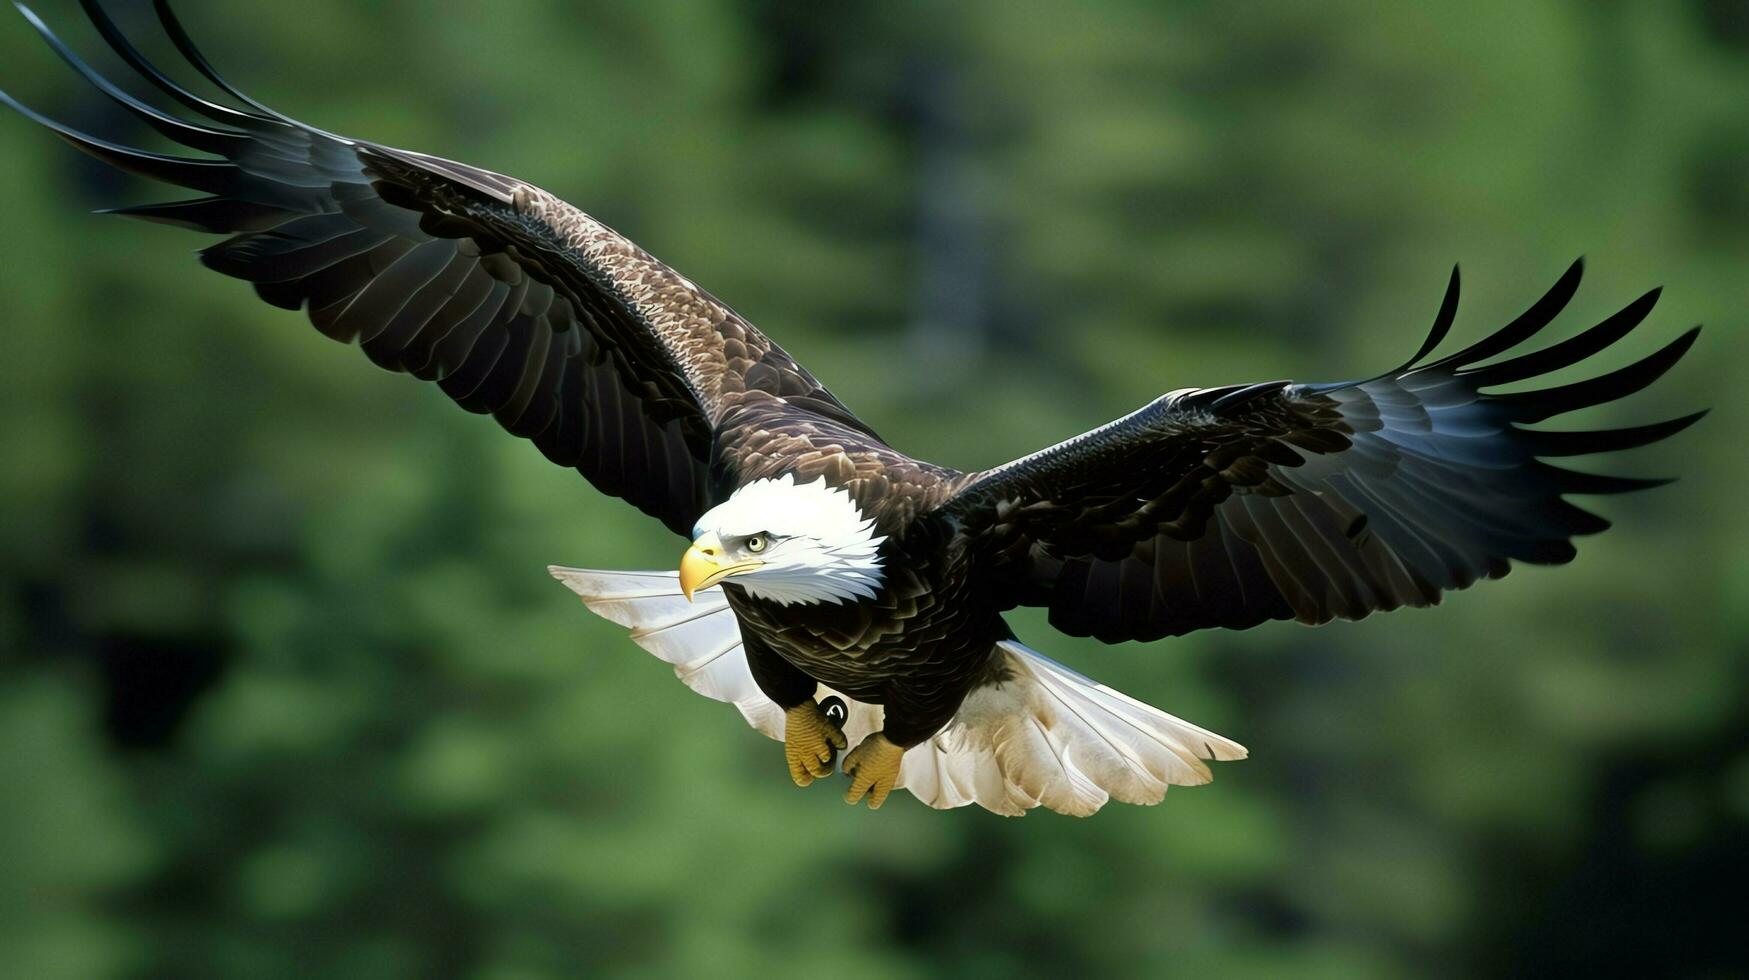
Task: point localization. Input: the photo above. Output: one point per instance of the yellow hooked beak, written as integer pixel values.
(703, 565)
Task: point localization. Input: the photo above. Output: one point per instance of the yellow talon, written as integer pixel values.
(810, 742)
(873, 768)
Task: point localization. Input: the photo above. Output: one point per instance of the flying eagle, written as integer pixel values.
(847, 597)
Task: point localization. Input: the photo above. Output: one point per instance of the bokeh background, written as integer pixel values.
(286, 691)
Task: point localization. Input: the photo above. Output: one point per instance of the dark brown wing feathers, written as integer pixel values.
(1232, 506)
(517, 304)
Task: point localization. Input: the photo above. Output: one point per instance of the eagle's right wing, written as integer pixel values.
(515, 303)
(1231, 506)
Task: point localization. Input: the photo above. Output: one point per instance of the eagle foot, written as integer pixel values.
(873, 768)
(810, 742)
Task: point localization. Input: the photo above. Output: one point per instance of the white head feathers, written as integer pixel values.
(821, 548)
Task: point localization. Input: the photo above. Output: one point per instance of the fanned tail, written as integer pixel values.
(1048, 736)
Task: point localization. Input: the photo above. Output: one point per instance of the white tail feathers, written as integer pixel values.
(1049, 736)
(1044, 735)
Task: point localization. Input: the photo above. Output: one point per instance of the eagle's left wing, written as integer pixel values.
(1231, 506)
(513, 302)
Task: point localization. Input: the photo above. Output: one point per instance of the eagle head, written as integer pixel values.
(787, 542)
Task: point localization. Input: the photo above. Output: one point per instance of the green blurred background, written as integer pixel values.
(286, 691)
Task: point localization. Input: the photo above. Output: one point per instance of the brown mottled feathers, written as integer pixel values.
(515, 303)
(763, 437)
(720, 357)
(1232, 506)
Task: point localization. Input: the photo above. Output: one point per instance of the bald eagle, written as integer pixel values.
(848, 598)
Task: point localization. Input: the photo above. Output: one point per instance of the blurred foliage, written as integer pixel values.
(285, 690)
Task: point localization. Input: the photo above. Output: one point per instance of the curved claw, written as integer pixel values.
(873, 768)
(811, 742)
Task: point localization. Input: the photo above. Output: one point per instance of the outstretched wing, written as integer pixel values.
(514, 302)
(1232, 506)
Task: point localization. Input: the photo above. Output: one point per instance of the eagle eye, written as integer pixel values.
(755, 543)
